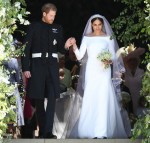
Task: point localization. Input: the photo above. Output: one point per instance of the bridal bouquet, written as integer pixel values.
(105, 57)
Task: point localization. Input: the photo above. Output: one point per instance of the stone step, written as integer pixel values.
(70, 141)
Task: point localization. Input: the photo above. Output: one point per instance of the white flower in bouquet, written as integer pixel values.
(2, 115)
(105, 57)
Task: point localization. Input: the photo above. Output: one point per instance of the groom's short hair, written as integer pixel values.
(47, 7)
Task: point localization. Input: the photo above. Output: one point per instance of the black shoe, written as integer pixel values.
(40, 137)
(104, 137)
(100, 138)
(50, 136)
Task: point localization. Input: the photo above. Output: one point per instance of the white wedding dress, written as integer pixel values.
(100, 113)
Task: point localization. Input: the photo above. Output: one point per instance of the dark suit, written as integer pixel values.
(44, 82)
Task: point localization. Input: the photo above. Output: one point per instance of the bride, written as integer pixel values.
(96, 112)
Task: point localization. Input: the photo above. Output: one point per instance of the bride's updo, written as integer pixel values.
(97, 18)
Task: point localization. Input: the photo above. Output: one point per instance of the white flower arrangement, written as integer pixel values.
(105, 57)
(10, 13)
(17, 5)
(148, 66)
(2, 53)
(2, 12)
(2, 114)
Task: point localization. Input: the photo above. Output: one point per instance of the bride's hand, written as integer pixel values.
(73, 41)
(74, 47)
(107, 62)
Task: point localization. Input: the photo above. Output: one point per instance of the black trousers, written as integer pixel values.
(45, 117)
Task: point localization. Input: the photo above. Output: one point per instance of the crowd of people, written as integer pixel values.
(70, 92)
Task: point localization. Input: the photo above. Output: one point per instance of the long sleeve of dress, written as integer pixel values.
(81, 52)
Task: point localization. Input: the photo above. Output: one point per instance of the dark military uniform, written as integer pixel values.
(43, 41)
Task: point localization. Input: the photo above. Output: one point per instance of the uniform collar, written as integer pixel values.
(46, 23)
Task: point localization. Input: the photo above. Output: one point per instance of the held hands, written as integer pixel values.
(73, 41)
(70, 42)
(107, 62)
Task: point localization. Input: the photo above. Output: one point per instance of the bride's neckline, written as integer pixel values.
(100, 35)
(96, 35)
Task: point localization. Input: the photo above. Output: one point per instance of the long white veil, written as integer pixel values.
(76, 103)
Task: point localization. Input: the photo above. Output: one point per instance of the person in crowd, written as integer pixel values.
(28, 130)
(12, 65)
(133, 75)
(72, 63)
(65, 74)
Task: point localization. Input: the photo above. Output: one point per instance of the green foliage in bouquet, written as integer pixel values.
(104, 56)
(11, 12)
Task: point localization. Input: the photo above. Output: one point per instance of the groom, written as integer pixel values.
(40, 65)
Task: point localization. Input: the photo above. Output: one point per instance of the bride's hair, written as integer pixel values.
(97, 18)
